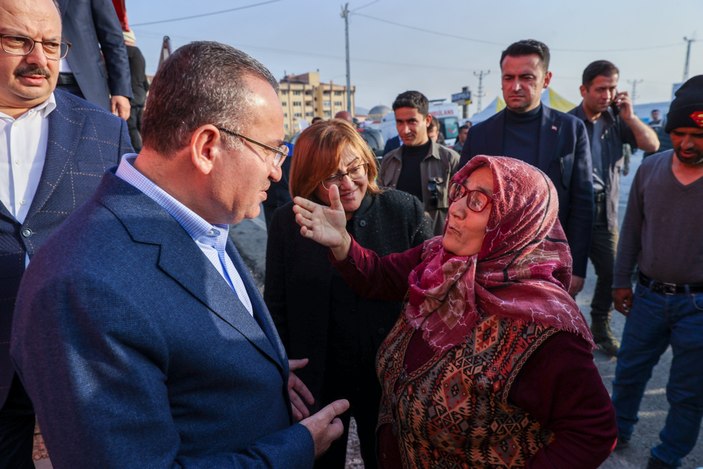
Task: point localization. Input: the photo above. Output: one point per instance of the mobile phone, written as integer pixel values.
(614, 105)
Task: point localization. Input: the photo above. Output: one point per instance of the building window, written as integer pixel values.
(297, 114)
(297, 93)
(297, 103)
(337, 103)
(308, 103)
(308, 114)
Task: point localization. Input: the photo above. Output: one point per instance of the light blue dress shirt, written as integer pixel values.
(211, 239)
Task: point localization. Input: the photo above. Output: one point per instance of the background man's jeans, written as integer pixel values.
(657, 320)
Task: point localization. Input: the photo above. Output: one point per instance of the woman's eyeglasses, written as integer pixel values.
(476, 200)
(354, 173)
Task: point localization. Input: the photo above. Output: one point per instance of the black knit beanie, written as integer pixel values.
(686, 109)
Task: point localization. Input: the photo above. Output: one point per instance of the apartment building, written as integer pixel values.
(304, 97)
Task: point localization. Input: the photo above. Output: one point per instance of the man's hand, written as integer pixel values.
(325, 426)
(119, 105)
(624, 103)
(324, 225)
(622, 300)
(297, 391)
(576, 285)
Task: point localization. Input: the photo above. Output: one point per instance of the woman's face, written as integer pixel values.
(466, 228)
(352, 186)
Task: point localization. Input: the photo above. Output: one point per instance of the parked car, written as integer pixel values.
(374, 138)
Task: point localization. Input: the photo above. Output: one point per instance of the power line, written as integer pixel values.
(429, 31)
(212, 13)
(501, 44)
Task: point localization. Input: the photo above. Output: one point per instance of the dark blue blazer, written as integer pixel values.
(84, 141)
(565, 156)
(137, 353)
(98, 57)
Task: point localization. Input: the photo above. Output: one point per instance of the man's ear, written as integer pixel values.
(428, 120)
(205, 147)
(547, 78)
(583, 90)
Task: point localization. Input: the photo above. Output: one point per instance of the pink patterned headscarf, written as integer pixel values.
(521, 272)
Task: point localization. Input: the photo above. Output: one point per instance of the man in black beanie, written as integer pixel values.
(661, 235)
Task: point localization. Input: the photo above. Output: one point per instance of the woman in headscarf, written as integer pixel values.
(317, 315)
(490, 364)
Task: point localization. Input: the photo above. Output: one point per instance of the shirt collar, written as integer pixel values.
(44, 109)
(196, 227)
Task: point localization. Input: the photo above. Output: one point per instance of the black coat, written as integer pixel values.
(309, 300)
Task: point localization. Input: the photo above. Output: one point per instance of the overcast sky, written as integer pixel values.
(438, 46)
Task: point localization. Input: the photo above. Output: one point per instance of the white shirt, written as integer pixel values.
(22, 155)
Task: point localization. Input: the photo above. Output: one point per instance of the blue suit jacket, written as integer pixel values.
(84, 141)
(565, 156)
(136, 352)
(94, 30)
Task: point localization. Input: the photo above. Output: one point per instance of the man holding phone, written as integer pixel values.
(611, 123)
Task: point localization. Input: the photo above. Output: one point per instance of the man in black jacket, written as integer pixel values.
(553, 141)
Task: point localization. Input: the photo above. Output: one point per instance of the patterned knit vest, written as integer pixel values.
(453, 411)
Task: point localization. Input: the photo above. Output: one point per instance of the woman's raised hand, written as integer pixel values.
(324, 225)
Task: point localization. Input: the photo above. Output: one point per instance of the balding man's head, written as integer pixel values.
(345, 115)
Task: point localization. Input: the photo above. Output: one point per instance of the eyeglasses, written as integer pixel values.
(279, 153)
(354, 173)
(22, 45)
(476, 200)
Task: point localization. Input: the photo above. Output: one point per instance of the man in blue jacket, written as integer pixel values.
(139, 333)
(55, 148)
(553, 141)
(98, 67)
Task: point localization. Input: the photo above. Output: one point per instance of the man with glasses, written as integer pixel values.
(158, 349)
(55, 148)
(420, 166)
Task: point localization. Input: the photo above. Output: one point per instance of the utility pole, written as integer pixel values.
(480, 94)
(345, 15)
(688, 57)
(633, 95)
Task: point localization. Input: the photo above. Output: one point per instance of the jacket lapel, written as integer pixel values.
(261, 312)
(494, 137)
(181, 259)
(549, 137)
(65, 130)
